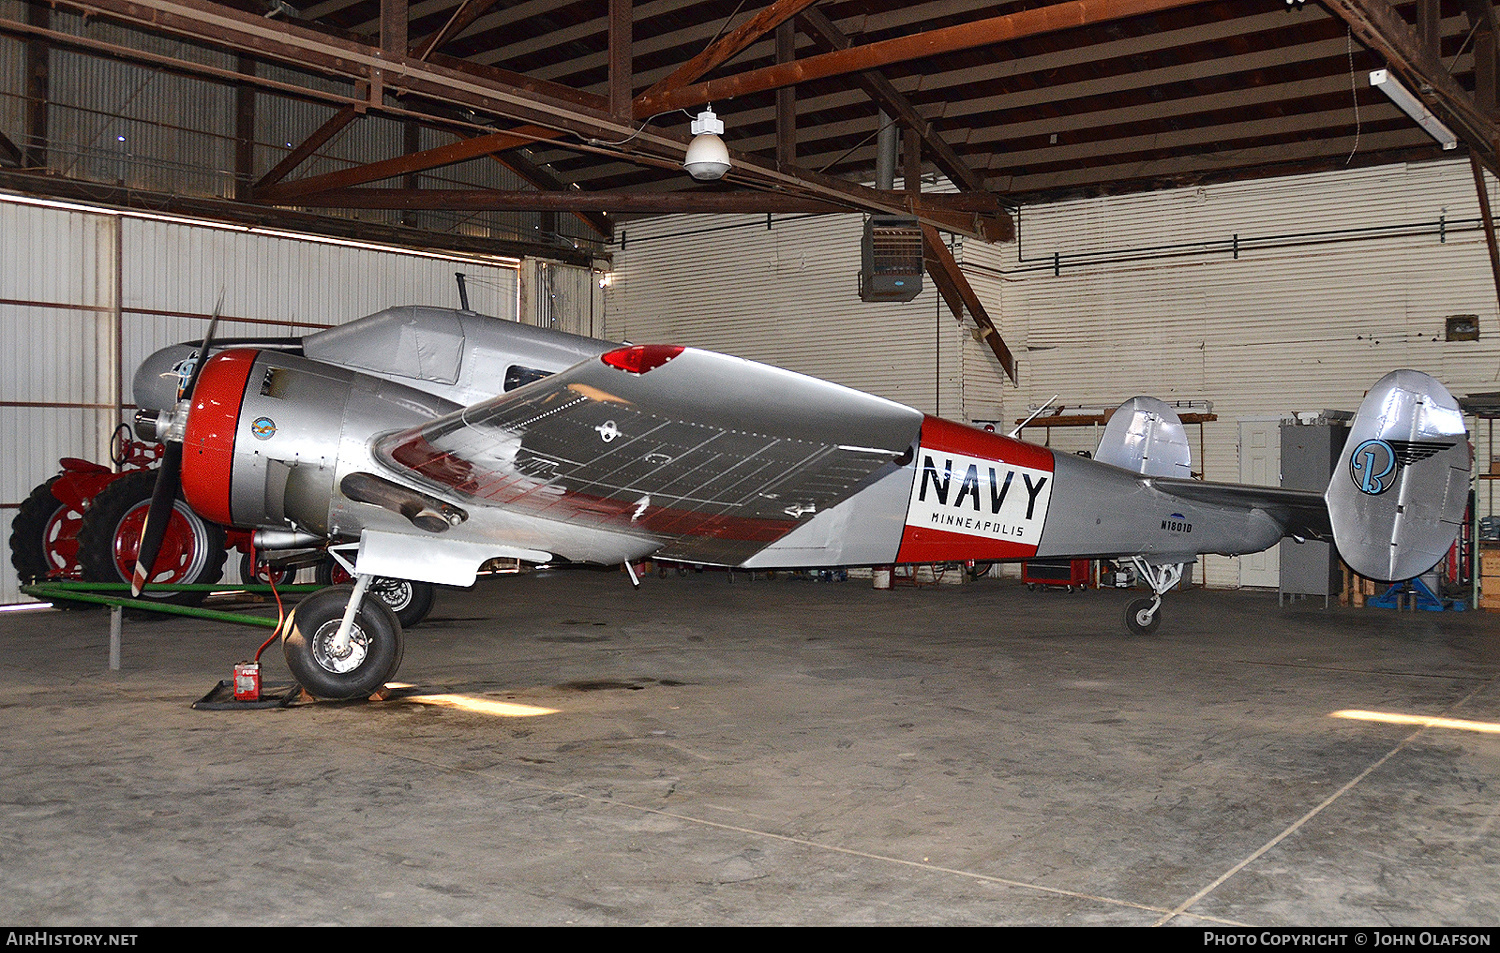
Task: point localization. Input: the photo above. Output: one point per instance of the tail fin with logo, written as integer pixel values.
(1397, 496)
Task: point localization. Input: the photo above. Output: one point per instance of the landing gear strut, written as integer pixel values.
(1143, 616)
(340, 644)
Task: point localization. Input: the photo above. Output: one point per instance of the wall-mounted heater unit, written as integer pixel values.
(891, 259)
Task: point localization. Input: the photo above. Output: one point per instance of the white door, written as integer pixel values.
(1260, 464)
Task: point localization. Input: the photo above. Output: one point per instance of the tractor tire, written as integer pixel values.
(192, 552)
(44, 540)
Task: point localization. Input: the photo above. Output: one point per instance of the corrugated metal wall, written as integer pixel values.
(85, 296)
(560, 296)
(57, 297)
(1266, 298)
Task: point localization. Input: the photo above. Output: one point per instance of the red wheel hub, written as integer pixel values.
(265, 575)
(179, 548)
(60, 542)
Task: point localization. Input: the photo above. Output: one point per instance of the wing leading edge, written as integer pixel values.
(711, 456)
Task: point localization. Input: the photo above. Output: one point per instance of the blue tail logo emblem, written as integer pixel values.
(1373, 467)
(1375, 463)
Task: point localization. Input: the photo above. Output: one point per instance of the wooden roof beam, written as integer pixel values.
(724, 49)
(572, 200)
(954, 286)
(290, 193)
(433, 82)
(308, 146)
(1481, 15)
(394, 24)
(10, 153)
(463, 15)
(964, 36)
(621, 58)
(691, 201)
(541, 178)
(894, 102)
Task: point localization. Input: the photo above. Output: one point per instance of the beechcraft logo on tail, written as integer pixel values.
(978, 497)
(1375, 464)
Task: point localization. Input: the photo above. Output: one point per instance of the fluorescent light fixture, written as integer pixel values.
(1383, 80)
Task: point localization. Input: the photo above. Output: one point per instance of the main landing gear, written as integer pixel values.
(1143, 616)
(409, 599)
(343, 642)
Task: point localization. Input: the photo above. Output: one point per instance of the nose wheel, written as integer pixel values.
(1143, 616)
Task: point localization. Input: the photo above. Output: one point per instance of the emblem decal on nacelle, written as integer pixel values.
(263, 428)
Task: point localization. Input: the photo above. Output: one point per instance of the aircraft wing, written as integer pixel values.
(712, 456)
(1301, 513)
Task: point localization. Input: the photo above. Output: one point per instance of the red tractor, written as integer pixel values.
(84, 525)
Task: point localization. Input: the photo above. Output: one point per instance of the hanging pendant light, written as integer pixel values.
(707, 158)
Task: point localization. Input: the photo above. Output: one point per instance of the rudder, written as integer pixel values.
(1397, 496)
(1145, 436)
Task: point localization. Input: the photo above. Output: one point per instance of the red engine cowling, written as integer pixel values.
(212, 424)
(263, 438)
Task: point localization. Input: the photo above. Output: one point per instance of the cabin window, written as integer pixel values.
(518, 376)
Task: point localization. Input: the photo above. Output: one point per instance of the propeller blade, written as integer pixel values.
(169, 477)
(208, 337)
(163, 496)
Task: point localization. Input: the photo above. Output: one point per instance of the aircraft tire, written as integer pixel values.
(374, 654)
(409, 599)
(1139, 618)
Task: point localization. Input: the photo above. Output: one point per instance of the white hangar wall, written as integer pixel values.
(1266, 298)
(85, 295)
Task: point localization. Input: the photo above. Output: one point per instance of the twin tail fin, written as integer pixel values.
(1398, 493)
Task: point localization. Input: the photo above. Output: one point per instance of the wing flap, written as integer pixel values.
(714, 457)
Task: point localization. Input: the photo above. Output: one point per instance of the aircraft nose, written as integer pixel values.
(160, 377)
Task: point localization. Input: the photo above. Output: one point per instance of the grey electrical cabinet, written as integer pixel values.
(1309, 452)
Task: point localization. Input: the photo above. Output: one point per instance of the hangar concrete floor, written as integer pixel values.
(769, 752)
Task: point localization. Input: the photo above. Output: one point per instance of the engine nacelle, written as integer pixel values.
(270, 434)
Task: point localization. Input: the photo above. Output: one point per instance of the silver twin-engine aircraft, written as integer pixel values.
(420, 443)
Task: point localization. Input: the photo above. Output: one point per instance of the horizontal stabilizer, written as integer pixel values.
(1398, 492)
(1146, 436)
